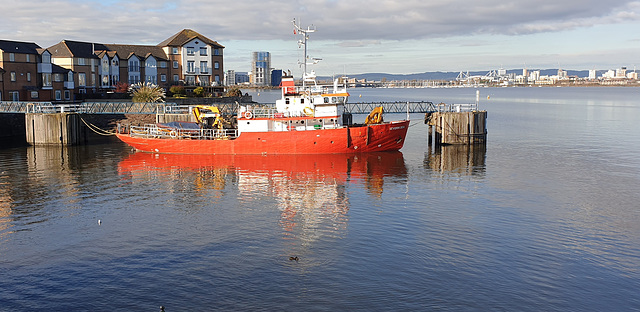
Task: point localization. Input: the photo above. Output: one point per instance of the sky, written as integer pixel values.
(356, 36)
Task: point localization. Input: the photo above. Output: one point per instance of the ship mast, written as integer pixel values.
(303, 42)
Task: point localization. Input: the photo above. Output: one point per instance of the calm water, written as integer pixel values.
(544, 218)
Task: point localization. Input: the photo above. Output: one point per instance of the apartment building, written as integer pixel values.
(30, 73)
(140, 63)
(261, 68)
(18, 71)
(194, 59)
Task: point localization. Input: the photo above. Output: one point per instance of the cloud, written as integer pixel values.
(352, 22)
(358, 43)
(468, 31)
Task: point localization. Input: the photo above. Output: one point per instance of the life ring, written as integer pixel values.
(248, 115)
(308, 111)
(173, 134)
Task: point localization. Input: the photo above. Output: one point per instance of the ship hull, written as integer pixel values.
(372, 138)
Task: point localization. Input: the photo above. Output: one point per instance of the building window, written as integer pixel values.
(28, 58)
(12, 57)
(151, 63)
(175, 64)
(163, 77)
(203, 51)
(58, 77)
(81, 61)
(216, 65)
(217, 77)
(15, 96)
(46, 58)
(34, 94)
(203, 67)
(82, 79)
(163, 64)
(191, 66)
(134, 66)
(216, 51)
(176, 78)
(67, 95)
(174, 50)
(13, 75)
(190, 51)
(58, 95)
(29, 76)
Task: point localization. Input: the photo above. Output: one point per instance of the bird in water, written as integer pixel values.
(294, 258)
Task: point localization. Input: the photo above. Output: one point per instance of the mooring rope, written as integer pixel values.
(96, 129)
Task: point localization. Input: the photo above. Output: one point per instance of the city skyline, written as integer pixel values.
(356, 37)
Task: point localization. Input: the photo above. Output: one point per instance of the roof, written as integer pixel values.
(69, 48)
(185, 36)
(19, 47)
(125, 50)
(59, 69)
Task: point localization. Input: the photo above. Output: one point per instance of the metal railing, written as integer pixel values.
(259, 110)
(153, 131)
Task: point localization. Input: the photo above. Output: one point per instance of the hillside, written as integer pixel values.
(452, 75)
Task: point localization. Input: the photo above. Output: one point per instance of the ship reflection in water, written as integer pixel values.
(309, 191)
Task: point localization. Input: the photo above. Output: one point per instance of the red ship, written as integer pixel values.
(308, 119)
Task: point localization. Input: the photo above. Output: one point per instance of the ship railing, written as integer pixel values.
(153, 131)
(264, 112)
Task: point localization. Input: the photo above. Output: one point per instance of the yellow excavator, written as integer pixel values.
(375, 117)
(208, 116)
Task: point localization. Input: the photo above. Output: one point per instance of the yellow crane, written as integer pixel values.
(204, 112)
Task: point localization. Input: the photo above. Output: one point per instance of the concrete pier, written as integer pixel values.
(453, 127)
(49, 129)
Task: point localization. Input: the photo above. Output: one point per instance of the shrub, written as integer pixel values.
(122, 87)
(146, 93)
(234, 92)
(199, 91)
(177, 91)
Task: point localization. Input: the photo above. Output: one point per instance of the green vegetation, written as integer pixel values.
(198, 92)
(234, 91)
(178, 91)
(146, 93)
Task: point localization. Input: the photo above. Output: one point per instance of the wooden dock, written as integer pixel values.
(457, 127)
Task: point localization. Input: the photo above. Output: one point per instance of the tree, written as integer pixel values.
(146, 93)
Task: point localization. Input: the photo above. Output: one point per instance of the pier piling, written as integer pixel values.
(456, 127)
(49, 129)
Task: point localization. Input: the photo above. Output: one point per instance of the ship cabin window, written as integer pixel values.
(286, 100)
(302, 101)
(326, 100)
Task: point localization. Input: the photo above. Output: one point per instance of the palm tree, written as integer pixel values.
(146, 92)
